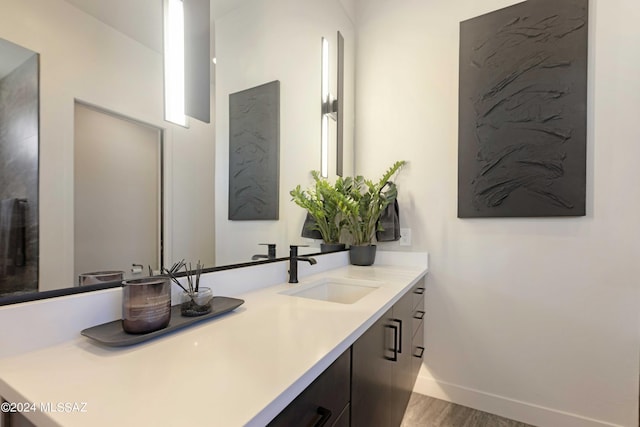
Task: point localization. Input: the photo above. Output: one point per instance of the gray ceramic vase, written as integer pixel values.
(362, 254)
(331, 247)
(146, 305)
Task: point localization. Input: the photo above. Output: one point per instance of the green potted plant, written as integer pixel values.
(361, 202)
(321, 202)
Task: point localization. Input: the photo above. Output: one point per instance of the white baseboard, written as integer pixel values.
(509, 408)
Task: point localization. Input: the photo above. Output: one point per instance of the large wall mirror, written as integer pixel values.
(106, 57)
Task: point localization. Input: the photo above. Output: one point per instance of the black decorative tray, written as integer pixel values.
(111, 334)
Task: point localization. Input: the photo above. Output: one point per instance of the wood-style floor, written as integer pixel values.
(424, 411)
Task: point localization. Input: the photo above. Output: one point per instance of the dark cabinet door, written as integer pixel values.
(371, 370)
(401, 375)
(384, 366)
(323, 402)
(14, 419)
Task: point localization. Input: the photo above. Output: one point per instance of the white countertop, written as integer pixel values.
(242, 368)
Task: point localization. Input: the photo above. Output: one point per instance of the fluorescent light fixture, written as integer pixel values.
(174, 63)
(325, 73)
(324, 160)
(324, 137)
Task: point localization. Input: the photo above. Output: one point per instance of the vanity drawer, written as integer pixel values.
(323, 402)
(418, 291)
(343, 418)
(417, 351)
(417, 316)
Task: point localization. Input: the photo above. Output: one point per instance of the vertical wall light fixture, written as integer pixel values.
(174, 62)
(331, 108)
(197, 59)
(327, 110)
(187, 61)
(340, 107)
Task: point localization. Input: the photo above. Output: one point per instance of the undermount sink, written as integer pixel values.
(343, 291)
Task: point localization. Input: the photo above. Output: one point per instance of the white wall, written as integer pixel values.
(80, 57)
(536, 319)
(257, 43)
(191, 154)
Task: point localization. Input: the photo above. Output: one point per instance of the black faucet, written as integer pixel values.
(293, 262)
(271, 252)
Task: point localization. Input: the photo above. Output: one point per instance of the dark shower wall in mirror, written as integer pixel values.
(19, 178)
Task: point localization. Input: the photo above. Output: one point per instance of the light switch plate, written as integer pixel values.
(405, 237)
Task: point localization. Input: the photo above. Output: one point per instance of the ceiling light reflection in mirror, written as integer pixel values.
(174, 63)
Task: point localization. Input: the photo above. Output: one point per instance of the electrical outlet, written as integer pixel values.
(405, 237)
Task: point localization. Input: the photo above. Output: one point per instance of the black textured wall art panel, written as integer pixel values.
(522, 111)
(254, 152)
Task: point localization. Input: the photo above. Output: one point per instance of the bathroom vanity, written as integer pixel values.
(371, 382)
(352, 335)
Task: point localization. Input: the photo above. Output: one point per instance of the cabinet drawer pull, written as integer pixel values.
(421, 350)
(395, 343)
(325, 414)
(419, 315)
(399, 334)
(419, 291)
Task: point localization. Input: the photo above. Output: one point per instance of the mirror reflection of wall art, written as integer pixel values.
(254, 151)
(522, 118)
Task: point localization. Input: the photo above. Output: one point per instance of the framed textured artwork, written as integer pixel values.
(523, 111)
(254, 153)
